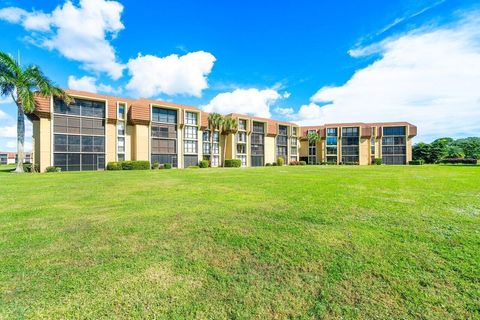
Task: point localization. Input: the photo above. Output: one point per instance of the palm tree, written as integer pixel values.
(313, 139)
(229, 125)
(21, 84)
(214, 123)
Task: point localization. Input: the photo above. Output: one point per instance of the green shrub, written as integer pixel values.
(416, 162)
(268, 164)
(114, 165)
(233, 163)
(53, 169)
(351, 163)
(167, 166)
(378, 161)
(331, 163)
(302, 163)
(274, 164)
(280, 161)
(27, 167)
(135, 165)
(204, 164)
(156, 165)
(458, 161)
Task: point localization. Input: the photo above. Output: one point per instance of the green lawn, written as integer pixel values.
(276, 242)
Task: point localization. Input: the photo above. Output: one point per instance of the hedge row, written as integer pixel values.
(459, 161)
(233, 163)
(128, 165)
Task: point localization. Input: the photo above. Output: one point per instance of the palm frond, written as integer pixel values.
(10, 65)
(45, 86)
(26, 98)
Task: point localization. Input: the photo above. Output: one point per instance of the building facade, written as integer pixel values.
(97, 129)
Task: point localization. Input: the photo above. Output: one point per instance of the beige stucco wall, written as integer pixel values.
(269, 149)
(303, 148)
(43, 143)
(409, 149)
(364, 151)
(111, 138)
(141, 142)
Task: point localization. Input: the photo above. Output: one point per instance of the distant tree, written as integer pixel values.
(454, 152)
(470, 146)
(21, 84)
(214, 123)
(229, 125)
(421, 151)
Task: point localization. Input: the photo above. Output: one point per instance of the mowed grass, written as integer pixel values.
(328, 242)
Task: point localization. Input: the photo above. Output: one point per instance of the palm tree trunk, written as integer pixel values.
(20, 138)
(224, 149)
(211, 147)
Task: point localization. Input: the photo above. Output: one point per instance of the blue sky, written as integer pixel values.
(311, 62)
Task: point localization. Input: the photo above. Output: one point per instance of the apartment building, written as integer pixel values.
(97, 129)
(12, 157)
(359, 143)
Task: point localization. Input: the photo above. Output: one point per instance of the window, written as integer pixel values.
(214, 161)
(241, 149)
(258, 127)
(350, 145)
(189, 161)
(394, 131)
(79, 135)
(165, 158)
(282, 142)
(121, 128)
(121, 111)
(372, 149)
(121, 145)
(294, 131)
(331, 148)
(164, 115)
(241, 137)
(332, 132)
(80, 107)
(394, 145)
(242, 158)
(190, 133)
(191, 118)
(257, 144)
(350, 132)
(242, 124)
(190, 146)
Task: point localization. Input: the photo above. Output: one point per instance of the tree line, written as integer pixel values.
(443, 148)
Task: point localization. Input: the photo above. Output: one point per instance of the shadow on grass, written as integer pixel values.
(7, 168)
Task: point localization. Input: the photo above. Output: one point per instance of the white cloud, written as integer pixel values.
(87, 83)
(248, 101)
(37, 21)
(11, 145)
(427, 77)
(8, 131)
(284, 111)
(79, 33)
(5, 100)
(187, 74)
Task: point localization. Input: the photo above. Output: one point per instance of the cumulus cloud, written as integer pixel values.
(284, 111)
(429, 77)
(11, 145)
(89, 84)
(81, 33)
(174, 74)
(252, 101)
